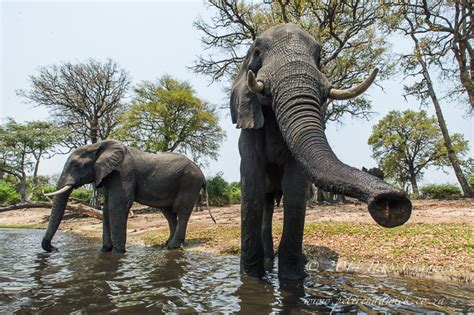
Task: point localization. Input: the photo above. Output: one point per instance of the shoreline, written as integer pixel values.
(436, 243)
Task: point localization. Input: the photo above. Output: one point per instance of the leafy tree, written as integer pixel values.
(468, 169)
(406, 143)
(167, 116)
(428, 50)
(85, 98)
(23, 146)
(8, 194)
(349, 32)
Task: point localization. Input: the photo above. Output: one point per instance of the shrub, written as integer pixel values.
(235, 196)
(38, 192)
(82, 195)
(8, 194)
(218, 191)
(444, 191)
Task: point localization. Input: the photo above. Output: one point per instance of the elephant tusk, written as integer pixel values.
(62, 190)
(346, 94)
(254, 85)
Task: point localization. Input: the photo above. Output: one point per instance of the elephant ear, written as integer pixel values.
(245, 109)
(110, 156)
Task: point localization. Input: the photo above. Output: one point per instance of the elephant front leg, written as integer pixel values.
(106, 236)
(253, 186)
(267, 238)
(118, 227)
(119, 201)
(291, 260)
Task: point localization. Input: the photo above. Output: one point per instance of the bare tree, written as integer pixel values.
(425, 55)
(447, 31)
(85, 98)
(349, 32)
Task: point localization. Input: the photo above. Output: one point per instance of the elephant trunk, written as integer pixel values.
(57, 212)
(298, 112)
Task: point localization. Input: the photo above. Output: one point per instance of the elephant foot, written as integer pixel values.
(268, 262)
(173, 244)
(291, 271)
(106, 249)
(168, 241)
(46, 245)
(118, 251)
(255, 269)
(292, 267)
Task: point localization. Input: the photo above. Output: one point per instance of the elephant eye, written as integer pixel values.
(256, 52)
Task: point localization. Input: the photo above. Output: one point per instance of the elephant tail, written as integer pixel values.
(204, 190)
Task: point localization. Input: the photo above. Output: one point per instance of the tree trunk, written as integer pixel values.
(95, 202)
(320, 195)
(463, 54)
(23, 187)
(414, 184)
(442, 124)
(35, 173)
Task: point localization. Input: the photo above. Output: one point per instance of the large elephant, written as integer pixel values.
(277, 100)
(168, 181)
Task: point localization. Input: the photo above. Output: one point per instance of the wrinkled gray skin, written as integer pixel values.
(167, 181)
(283, 148)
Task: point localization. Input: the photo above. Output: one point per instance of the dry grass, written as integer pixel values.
(443, 249)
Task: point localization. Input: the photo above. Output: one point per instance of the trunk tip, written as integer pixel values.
(46, 245)
(390, 210)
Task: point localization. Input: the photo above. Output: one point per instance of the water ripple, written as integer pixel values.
(79, 279)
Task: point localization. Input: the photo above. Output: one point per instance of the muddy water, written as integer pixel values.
(149, 280)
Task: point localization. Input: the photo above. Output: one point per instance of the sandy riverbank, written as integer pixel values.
(437, 241)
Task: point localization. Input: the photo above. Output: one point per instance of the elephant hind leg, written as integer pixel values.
(171, 217)
(183, 207)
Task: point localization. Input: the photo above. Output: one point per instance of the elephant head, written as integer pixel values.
(87, 164)
(281, 70)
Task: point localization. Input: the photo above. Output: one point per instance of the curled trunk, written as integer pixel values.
(57, 212)
(299, 116)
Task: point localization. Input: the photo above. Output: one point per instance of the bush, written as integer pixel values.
(8, 194)
(218, 191)
(444, 191)
(235, 196)
(38, 192)
(83, 195)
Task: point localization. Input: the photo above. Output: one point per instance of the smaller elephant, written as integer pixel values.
(168, 181)
(375, 171)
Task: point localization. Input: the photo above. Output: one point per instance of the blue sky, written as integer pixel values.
(153, 38)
